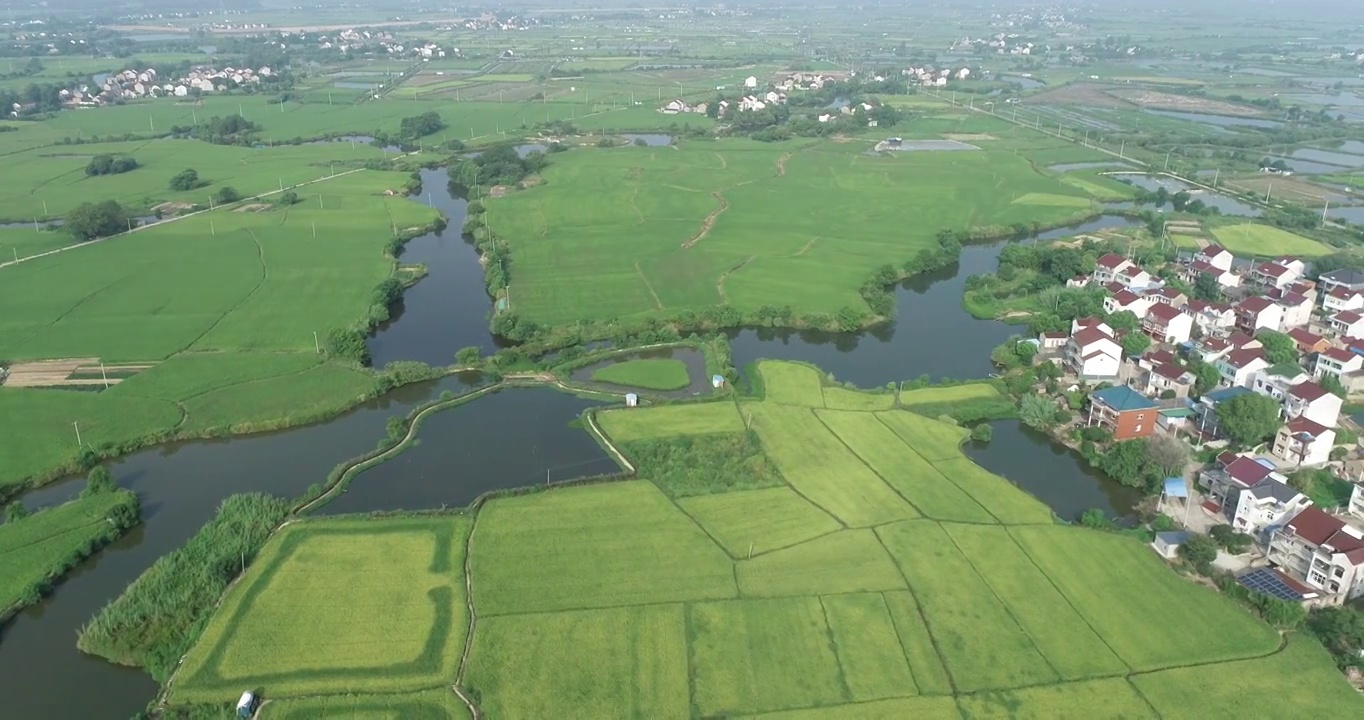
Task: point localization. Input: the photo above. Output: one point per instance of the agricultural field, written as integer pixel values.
(402, 631)
(1265, 241)
(645, 232)
(646, 374)
(204, 294)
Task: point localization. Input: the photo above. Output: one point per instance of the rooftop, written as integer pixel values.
(1254, 304)
(1269, 488)
(1248, 471)
(1302, 426)
(1308, 390)
(1348, 276)
(1165, 312)
(1225, 394)
(1348, 317)
(1123, 398)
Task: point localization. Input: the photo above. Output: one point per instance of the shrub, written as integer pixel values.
(186, 180)
(982, 433)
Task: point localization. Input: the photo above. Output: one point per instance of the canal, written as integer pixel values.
(461, 453)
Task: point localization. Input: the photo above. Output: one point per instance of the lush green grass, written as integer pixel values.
(822, 469)
(965, 403)
(1112, 698)
(1273, 686)
(981, 643)
(1190, 623)
(924, 661)
(1061, 635)
(949, 394)
(646, 373)
(1263, 240)
(404, 625)
(596, 546)
(670, 421)
(758, 521)
(41, 547)
(918, 708)
(1003, 499)
(846, 561)
(868, 650)
(837, 398)
(440, 704)
(756, 655)
(933, 439)
(689, 465)
(927, 489)
(649, 231)
(279, 401)
(613, 662)
(791, 384)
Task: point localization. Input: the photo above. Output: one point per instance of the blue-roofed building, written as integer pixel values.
(1124, 411)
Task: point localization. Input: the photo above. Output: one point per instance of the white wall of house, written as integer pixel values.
(1317, 452)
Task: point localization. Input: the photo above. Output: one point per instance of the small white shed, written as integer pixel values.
(1167, 544)
(631, 400)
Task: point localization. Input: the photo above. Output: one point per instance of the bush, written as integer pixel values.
(1233, 542)
(99, 482)
(227, 194)
(186, 180)
(288, 197)
(982, 433)
(1097, 434)
(347, 345)
(1199, 551)
(110, 165)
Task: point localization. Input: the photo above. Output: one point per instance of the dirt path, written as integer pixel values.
(806, 247)
(709, 222)
(640, 271)
(781, 164)
(720, 283)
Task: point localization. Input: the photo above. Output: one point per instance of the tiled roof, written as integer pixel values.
(1241, 358)
(1122, 398)
(1308, 390)
(1165, 312)
(1247, 471)
(1090, 335)
(1111, 261)
(1170, 371)
(1304, 337)
(1300, 425)
(1348, 317)
(1211, 251)
(1340, 354)
(1254, 304)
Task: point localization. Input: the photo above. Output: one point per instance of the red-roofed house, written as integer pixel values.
(1278, 273)
(1109, 266)
(1312, 401)
(1211, 318)
(1239, 367)
(1169, 296)
(1129, 301)
(1225, 278)
(1322, 551)
(1257, 313)
(1093, 353)
(1308, 342)
(1304, 442)
(1349, 323)
(1167, 324)
(1216, 256)
(1230, 476)
(1339, 362)
(1165, 377)
(1297, 309)
(1342, 298)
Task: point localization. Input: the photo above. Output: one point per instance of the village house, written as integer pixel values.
(1258, 313)
(1263, 503)
(1308, 343)
(1116, 268)
(1296, 308)
(1167, 324)
(1278, 273)
(1322, 551)
(1124, 411)
(1051, 340)
(1211, 318)
(1165, 379)
(1215, 256)
(1312, 401)
(1276, 381)
(1224, 278)
(1347, 323)
(1304, 442)
(1342, 298)
(1092, 352)
(1231, 474)
(1340, 363)
(1127, 300)
(1239, 367)
(1356, 505)
(1169, 296)
(1349, 281)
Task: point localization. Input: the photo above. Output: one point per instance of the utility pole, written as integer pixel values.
(316, 344)
(1167, 159)
(1122, 147)
(1268, 190)
(77, 425)
(1323, 212)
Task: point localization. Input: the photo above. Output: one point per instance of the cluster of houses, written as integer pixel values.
(132, 84)
(1317, 552)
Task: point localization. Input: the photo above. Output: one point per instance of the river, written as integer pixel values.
(461, 453)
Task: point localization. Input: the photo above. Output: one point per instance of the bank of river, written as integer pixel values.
(509, 439)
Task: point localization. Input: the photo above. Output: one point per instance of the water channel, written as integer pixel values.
(509, 439)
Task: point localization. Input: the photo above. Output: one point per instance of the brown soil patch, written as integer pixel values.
(968, 137)
(498, 191)
(58, 373)
(1284, 188)
(252, 207)
(172, 208)
(1171, 101)
(709, 222)
(1077, 94)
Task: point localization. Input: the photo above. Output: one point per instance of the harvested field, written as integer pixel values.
(70, 373)
(1184, 103)
(1284, 188)
(1088, 94)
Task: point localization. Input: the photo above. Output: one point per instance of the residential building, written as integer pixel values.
(1346, 279)
(1312, 401)
(1304, 442)
(1277, 380)
(1258, 313)
(1131, 302)
(1167, 324)
(1296, 309)
(1051, 340)
(1093, 353)
(1225, 278)
(1169, 296)
(1116, 268)
(1342, 298)
(1309, 343)
(1124, 411)
(1211, 318)
(1322, 551)
(1347, 323)
(1239, 367)
(1231, 474)
(1338, 362)
(1264, 505)
(1165, 378)
(1277, 273)
(1215, 256)
(1356, 505)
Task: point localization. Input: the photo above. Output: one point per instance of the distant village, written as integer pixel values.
(134, 84)
(1306, 553)
(759, 95)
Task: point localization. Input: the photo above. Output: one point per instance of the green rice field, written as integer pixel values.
(863, 587)
(1263, 240)
(645, 374)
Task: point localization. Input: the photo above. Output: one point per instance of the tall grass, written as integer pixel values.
(158, 617)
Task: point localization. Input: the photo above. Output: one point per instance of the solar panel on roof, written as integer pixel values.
(1268, 582)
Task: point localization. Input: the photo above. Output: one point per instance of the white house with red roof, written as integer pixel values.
(1343, 364)
(1164, 377)
(1347, 323)
(1093, 352)
(1116, 268)
(1239, 367)
(1304, 442)
(1167, 324)
(1322, 551)
(1211, 318)
(1342, 298)
(1307, 341)
(1297, 308)
(1215, 256)
(1169, 296)
(1312, 401)
(1127, 300)
(1258, 313)
(1278, 273)
(1225, 278)
(1250, 494)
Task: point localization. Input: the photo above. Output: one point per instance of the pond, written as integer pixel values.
(1350, 214)
(1024, 82)
(356, 85)
(1226, 205)
(1067, 167)
(510, 438)
(650, 140)
(1307, 167)
(1217, 120)
(1340, 159)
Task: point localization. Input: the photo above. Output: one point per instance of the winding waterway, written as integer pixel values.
(461, 452)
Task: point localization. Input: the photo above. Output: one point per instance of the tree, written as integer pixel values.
(1206, 288)
(468, 357)
(1249, 419)
(185, 180)
(1036, 411)
(1279, 348)
(348, 345)
(1206, 377)
(288, 197)
(418, 126)
(1127, 462)
(99, 482)
(227, 194)
(1168, 454)
(1199, 551)
(1134, 343)
(1341, 630)
(1332, 384)
(982, 433)
(16, 511)
(110, 165)
(91, 220)
(1233, 542)
(1122, 321)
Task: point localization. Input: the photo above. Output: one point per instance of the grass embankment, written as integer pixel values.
(154, 621)
(646, 374)
(883, 572)
(228, 302)
(37, 550)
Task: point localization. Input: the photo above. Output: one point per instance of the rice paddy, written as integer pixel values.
(645, 374)
(1265, 241)
(617, 600)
